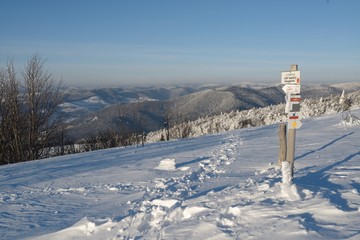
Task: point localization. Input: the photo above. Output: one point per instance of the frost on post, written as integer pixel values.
(286, 172)
(288, 189)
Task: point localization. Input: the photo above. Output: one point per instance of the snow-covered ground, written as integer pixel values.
(221, 186)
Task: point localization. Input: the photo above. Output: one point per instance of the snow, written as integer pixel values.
(167, 165)
(350, 120)
(220, 186)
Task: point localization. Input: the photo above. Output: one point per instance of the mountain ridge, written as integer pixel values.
(147, 109)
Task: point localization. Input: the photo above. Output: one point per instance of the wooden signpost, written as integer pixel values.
(292, 80)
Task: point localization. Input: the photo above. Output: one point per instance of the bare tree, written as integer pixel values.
(139, 119)
(42, 98)
(11, 124)
(171, 118)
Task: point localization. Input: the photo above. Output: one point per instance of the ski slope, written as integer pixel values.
(222, 186)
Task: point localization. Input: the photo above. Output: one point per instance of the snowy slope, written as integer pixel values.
(223, 186)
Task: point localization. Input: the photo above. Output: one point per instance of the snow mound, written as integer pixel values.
(192, 211)
(168, 203)
(350, 120)
(167, 165)
(85, 228)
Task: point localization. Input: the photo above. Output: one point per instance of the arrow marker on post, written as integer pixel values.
(291, 89)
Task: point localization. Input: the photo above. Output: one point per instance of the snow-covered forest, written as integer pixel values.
(255, 117)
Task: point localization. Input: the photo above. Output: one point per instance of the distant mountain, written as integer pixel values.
(317, 91)
(348, 87)
(120, 118)
(149, 114)
(90, 111)
(215, 101)
(82, 101)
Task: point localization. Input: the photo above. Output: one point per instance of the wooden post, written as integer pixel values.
(294, 67)
(282, 139)
(290, 153)
(291, 79)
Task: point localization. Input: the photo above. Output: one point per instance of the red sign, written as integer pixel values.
(295, 99)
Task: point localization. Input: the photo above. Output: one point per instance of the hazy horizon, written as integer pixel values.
(89, 43)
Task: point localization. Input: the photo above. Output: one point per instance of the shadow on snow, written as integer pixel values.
(330, 190)
(325, 146)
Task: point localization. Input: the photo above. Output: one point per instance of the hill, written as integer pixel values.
(83, 101)
(221, 186)
(146, 109)
(150, 115)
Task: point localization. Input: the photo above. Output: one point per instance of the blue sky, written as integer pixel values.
(101, 43)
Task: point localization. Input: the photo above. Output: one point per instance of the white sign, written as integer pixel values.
(291, 77)
(294, 120)
(294, 124)
(291, 89)
(294, 116)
